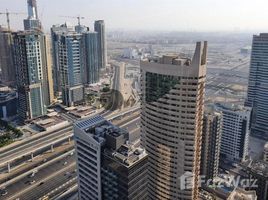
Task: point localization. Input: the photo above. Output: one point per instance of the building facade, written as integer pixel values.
(265, 152)
(99, 27)
(235, 132)
(8, 75)
(171, 121)
(257, 96)
(211, 143)
(71, 68)
(30, 62)
(75, 58)
(92, 69)
(109, 167)
(32, 22)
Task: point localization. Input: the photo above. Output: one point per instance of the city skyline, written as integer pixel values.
(188, 15)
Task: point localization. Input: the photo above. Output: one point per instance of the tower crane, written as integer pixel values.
(7, 13)
(75, 17)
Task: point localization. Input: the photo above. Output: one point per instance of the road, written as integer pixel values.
(46, 179)
(31, 146)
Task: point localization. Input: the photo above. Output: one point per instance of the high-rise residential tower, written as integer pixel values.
(211, 142)
(99, 27)
(171, 121)
(56, 32)
(71, 67)
(8, 75)
(30, 62)
(109, 166)
(76, 50)
(32, 22)
(92, 70)
(257, 96)
(235, 132)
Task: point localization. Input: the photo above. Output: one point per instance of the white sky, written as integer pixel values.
(166, 15)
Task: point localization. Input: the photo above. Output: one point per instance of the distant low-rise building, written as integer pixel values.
(47, 123)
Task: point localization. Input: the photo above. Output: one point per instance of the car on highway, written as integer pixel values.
(3, 192)
(65, 163)
(32, 182)
(67, 173)
(41, 183)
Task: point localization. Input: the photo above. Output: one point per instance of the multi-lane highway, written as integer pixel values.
(34, 144)
(44, 180)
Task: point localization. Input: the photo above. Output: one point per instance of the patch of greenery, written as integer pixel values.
(5, 140)
(106, 89)
(10, 134)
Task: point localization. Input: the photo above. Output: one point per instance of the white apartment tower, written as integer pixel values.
(235, 131)
(172, 105)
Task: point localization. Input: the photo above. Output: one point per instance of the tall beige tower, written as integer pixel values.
(49, 69)
(172, 112)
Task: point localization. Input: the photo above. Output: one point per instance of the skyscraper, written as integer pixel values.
(92, 70)
(30, 62)
(171, 121)
(56, 31)
(257, 96)
(49, 76)
(32, 22)
(211, 142)
(235, 132)
(82, 61)
(109, 167)
(99, 27)
(7, 67)
(71, 67)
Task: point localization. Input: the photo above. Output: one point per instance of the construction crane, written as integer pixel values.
(7, 13)
(75, 17)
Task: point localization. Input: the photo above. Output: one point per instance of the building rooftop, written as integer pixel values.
(47, 122)
(113, 139)
(128, 154)
(259, 167)
(82, 111)
(240, 194)
(101, 129)
(170, 59)
(232, 107)
(6, 94)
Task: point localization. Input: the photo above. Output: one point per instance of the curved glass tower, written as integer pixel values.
(172, 114)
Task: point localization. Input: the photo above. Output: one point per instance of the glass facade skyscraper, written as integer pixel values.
(71, 66)
(30, 62)
(257, 96)
(75, 56)
(92, 63)
(99, 27)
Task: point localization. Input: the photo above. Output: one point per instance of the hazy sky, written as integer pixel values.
(170, 15)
